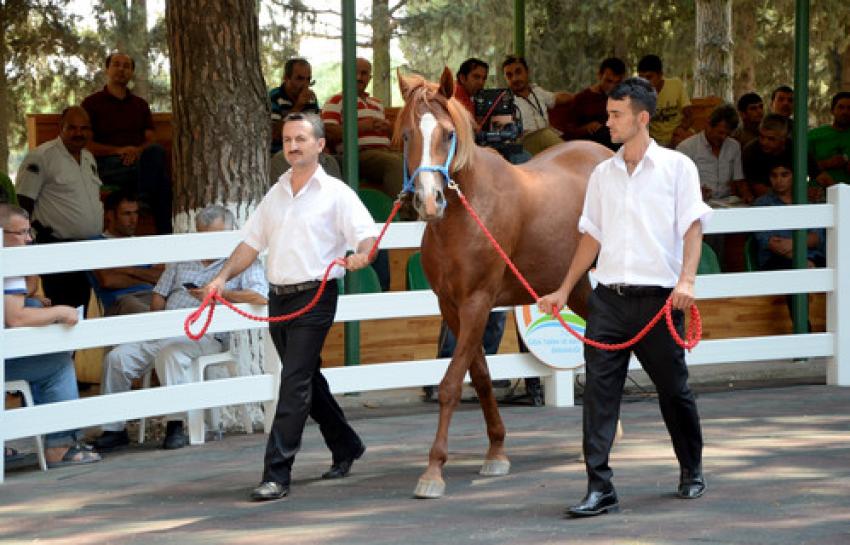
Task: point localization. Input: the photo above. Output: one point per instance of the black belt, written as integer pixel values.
(631, 290)
(289, 289)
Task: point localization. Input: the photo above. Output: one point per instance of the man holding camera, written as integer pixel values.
(533, 103)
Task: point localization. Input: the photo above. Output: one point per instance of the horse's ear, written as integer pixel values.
(403, 84)
(447, 83)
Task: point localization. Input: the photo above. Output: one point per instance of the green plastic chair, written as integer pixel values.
(368, 278)
(415, 275)
(708, 262)
(377, 203)
(750, 254)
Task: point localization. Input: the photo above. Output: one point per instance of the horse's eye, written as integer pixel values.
(405, 136)
(449, 135)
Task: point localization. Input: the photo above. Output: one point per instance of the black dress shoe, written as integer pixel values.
(110, 440)
(595, 503)
(691, 484)
(269, 490)
(343, 467)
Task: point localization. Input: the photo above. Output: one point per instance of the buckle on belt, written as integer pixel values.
(617, 288)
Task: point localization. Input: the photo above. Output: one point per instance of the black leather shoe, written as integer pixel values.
(595, 503)
(691, 484)
(270, 490)
(174, 437)
(343, 467)
(110, 440)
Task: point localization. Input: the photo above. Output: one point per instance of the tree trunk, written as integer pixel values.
(221, 120)
(713, 64)
(381, 33)
(139, 47)
(5, 122)
(746, 13)
(844, 77)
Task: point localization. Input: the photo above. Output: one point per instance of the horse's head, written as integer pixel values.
(438, 140)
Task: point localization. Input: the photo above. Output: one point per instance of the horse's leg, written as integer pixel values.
(468, 323)
(496, 461)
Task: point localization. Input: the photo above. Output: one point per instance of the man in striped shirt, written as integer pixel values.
(378, 164)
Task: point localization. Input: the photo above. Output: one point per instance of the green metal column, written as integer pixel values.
(519, 27)
(800, 302)
(350, 150)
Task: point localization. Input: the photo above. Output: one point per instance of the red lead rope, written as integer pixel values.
(694, 330)
(212, 297)
(693, 335)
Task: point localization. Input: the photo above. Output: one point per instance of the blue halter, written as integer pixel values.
(442, 169)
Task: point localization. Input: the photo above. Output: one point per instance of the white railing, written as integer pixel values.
(25, 341)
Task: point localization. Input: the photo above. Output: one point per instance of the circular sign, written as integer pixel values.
(547, 339)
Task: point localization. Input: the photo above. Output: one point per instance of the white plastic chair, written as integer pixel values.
(197, 427)
(23, 387)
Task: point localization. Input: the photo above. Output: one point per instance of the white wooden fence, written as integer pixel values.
(25, 341)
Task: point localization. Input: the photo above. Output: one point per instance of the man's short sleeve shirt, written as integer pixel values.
(534, 109)
(669, 110)
(66, 193)
(715, 172)
(118, 121)
(367, 107)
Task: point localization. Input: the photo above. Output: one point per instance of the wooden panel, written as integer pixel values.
(44, 127)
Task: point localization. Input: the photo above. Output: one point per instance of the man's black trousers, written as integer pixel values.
(303, 389)
(614, 318)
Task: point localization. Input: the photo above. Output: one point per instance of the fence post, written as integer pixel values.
(559, 388)
(838, 300)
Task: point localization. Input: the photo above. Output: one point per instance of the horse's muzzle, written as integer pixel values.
(430, 206)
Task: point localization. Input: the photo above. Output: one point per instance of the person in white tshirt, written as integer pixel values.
(305, 221)
(643, 217)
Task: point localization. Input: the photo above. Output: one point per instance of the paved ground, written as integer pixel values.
(777, 462)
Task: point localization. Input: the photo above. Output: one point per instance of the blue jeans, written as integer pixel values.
(147, 177)
(493, 332)
(52, 378)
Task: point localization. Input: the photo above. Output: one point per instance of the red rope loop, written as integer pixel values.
(692, 337)
(212, 297)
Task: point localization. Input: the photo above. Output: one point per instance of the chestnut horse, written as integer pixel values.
(532, 210)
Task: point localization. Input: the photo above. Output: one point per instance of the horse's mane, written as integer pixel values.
(422, 91)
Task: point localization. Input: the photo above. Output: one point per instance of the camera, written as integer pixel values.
(495, 111)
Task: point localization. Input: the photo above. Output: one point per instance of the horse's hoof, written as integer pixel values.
(427, 489)
(495, 468)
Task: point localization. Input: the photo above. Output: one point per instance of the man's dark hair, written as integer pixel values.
(774, 122)
(614, 64)
(839, 96)
(8, 210)
(313, 119)
(747, 100)
(650, 63)
(780, 89)
(725, 113)
(111, 202)
(511, 59)
(641, 92)
(109, 59)
(471, 64)
(782, 160)
(289, 67)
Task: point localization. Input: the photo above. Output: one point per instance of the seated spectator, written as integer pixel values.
(759, 156)
(124, 290)
(751, 110)
(59, 187)
(178, 287)
(588, 114)
(829, 145)
(52, 377)
(716, 155)
(7, 190)
(470, 78)
(124, 141)
(379, 165)
(294, 95)
(672, 120)
(782, 103)
(533, 103)
(775, 248)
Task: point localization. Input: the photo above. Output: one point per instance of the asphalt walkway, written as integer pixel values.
(777, 463)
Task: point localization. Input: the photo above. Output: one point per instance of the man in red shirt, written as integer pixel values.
(471, 77)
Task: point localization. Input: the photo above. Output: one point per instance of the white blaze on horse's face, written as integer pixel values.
(428, 199)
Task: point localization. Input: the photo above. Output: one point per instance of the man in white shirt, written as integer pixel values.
(306, 220)
(643, 217)
(58, 185)
(533, 103)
